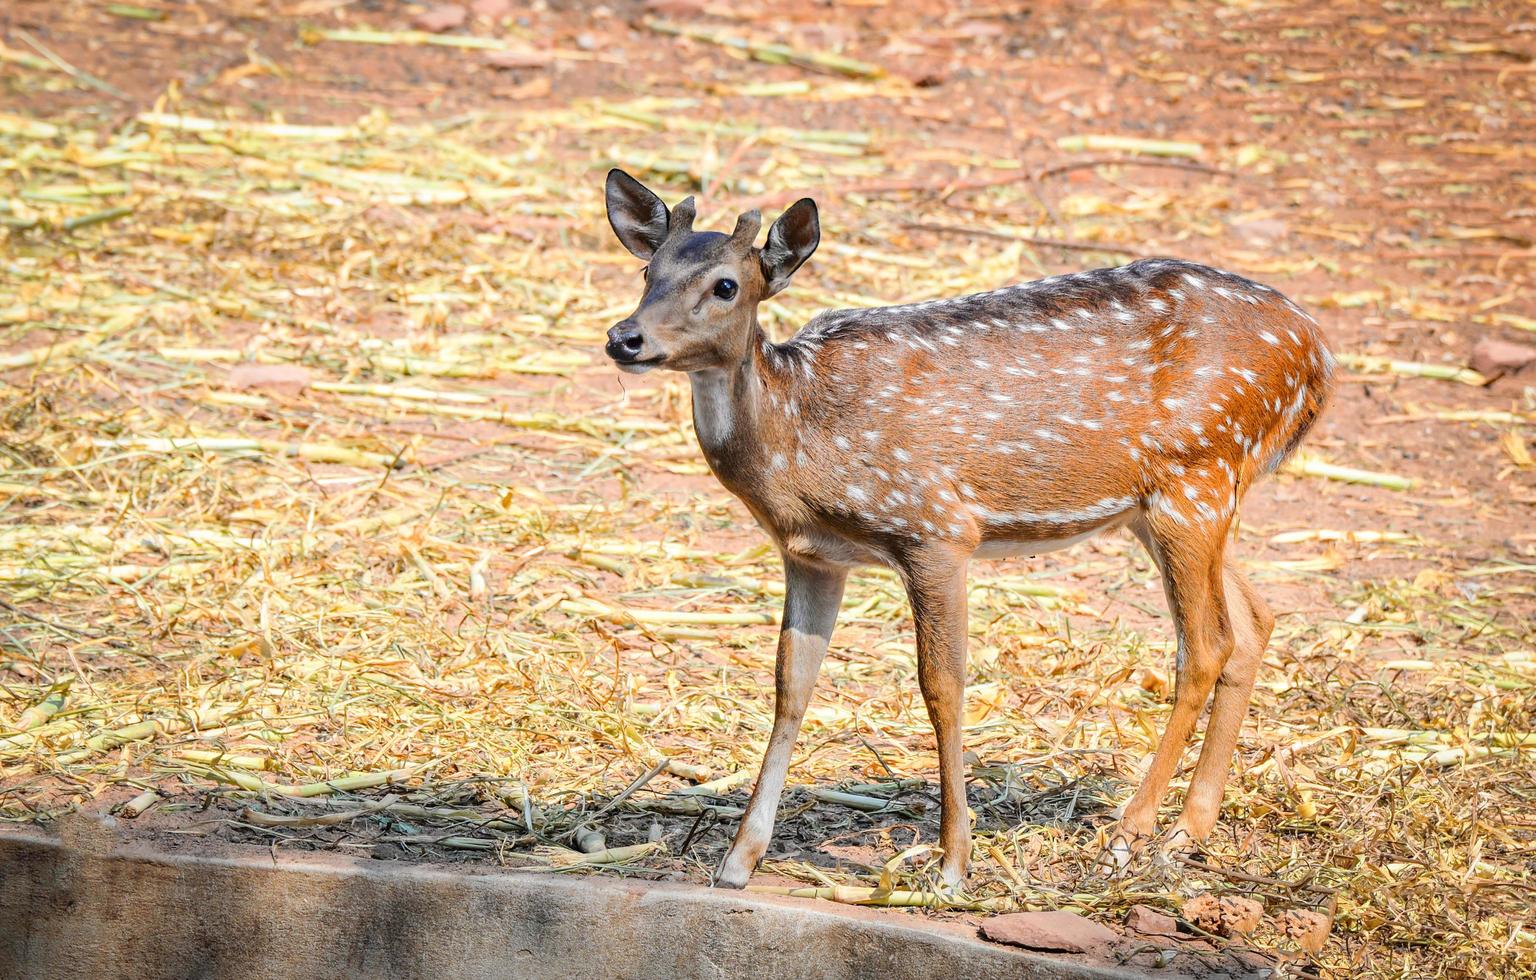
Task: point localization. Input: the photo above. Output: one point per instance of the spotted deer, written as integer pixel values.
(1017, 421)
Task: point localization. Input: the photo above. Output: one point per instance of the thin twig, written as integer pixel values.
(631, 789)
(58, 627)
(1253, 879)
(1190, 165)
(71, 70)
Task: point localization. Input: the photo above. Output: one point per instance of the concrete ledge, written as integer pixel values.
(89, 905)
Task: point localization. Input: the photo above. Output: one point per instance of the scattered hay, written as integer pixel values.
(450, 590)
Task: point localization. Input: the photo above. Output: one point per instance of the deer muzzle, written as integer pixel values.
(627, 347)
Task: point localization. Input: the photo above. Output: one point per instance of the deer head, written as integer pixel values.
(699, 308)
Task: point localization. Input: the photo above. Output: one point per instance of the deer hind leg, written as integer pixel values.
(1190, 557)
(1252, 623)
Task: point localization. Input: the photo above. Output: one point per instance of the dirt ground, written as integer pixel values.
(256, 221)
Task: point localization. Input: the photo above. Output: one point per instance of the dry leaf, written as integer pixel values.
(1515, 447)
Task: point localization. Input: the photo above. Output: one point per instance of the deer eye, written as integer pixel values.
(725, 288)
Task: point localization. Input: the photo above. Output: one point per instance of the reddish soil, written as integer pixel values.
(1403, 183)
(1379, 160)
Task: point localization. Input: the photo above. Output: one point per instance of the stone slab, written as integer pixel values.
(95, 906)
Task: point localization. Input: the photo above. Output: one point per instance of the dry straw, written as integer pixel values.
(451, 588)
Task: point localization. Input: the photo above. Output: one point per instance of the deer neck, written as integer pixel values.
(729, 410)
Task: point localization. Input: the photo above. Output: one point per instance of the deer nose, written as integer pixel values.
(624, 342)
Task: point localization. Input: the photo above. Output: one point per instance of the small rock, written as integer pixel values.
(1307, 929)
(443, 17)
(1240, 916)
(1054, 932)
(289, 377)
(1204, 912)
(1228, 916)
(1496, 358)
(1150, 922)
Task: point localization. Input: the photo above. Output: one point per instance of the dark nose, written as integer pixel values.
(624, 342)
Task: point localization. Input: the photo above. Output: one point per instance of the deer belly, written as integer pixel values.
(1011, 543)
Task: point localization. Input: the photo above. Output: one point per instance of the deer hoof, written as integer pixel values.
(733, 882)
(951, 879)
(1123, 847)
(1179, 843)
(731, 875)
(1116, 857)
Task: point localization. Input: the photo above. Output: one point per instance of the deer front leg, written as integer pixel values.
(936, 589)
(812, 595)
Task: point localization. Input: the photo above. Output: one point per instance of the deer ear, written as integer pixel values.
(790, 242)
(638, 217)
